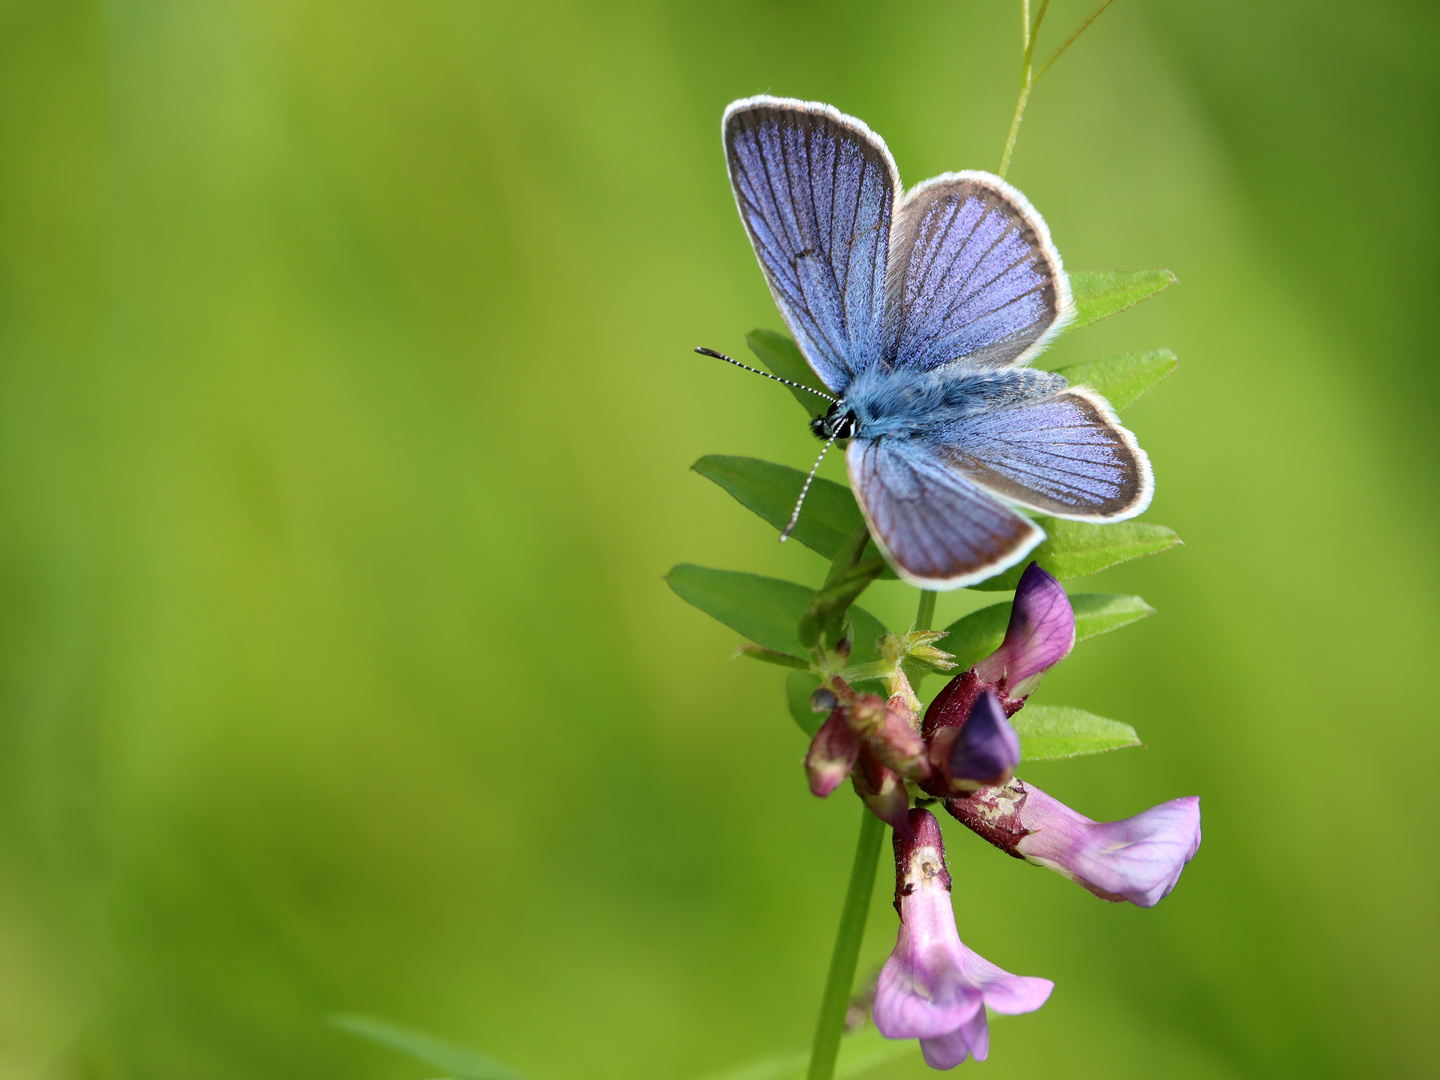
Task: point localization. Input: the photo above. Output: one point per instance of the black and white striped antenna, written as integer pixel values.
(805, 490)
(798, 386)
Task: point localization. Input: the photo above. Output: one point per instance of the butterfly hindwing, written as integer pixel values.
(1063, 453)
(939, 530)
(816, 190)
(973, 276)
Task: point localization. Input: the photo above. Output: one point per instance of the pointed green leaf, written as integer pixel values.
(1102, 293)
(765, 610)
(770, 656)
(799, 685)
(830, 515)
(1121, 379)
(460, 1061)
(1099, 613)
(1049, 732)
(779, 355)
(1074, 549)
(975, 636)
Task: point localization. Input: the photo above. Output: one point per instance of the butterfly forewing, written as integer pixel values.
(1061, 453)
(973, 276)
(816, 190)
(939, 530)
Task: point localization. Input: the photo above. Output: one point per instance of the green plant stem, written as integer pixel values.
(1026, 83)
(1071, 40)
(836, 1001)
(925, 614)
(1028, 76)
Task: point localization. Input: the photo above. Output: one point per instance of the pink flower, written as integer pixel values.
(1041, 634)
(1138, 859)
(933, 988)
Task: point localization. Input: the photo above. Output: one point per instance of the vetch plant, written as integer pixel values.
(916, 317)
(915, 321)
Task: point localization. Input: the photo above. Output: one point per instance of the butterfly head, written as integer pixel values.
(840, 422)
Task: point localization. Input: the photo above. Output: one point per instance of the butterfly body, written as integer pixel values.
(918, 312)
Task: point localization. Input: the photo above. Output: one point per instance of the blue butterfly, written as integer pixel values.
(918, 311)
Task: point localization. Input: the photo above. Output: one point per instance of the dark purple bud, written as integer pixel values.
(984, 752)
(1041, 634)
(831, 755)
(1138, 859)
(823, 700)
(883, 791)
(898, 743)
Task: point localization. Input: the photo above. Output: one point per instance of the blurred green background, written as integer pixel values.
(346, 406)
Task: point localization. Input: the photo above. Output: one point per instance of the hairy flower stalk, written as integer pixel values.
(1138, 859)
(933, 988)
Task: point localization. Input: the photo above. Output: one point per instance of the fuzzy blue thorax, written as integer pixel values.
(907, 404)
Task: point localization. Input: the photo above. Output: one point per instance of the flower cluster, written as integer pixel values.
(964, 755)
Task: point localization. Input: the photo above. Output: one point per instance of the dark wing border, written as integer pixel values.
(1011, 491)
(1027, 533)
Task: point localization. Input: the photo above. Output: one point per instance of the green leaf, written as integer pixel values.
(770, 656)
(1099, 613)
(1121, 379)
(799, 685)
(1074, 549)
(765, 610)
(830, 515)
(461, 1061)
(977, 635)
(1049, 732)
(1102, 293)
(779, 355)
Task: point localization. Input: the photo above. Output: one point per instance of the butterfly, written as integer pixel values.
(918, 312)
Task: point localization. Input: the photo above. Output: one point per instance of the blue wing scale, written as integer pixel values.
(973, 278)
(816, 190)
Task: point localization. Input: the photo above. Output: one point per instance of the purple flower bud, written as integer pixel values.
(831, 755)
(896, 740)
(1138, 859)
(1041, 634)
(933, 988)
(982, 753)
(882, 790)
